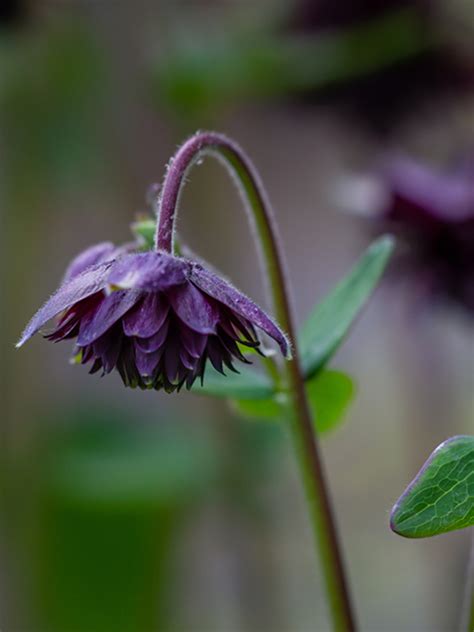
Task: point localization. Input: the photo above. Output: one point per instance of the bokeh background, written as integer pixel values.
(124, 510)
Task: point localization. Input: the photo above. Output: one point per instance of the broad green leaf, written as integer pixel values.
(329, 393)
(441, 497)
(247, 384)
(331, 320)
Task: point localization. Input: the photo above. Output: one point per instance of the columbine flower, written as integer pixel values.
(155, 317)
(432, 213)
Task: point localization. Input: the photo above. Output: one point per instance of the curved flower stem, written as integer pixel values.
(302, 427)
(467, 609)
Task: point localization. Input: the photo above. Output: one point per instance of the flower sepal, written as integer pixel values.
(144, 230)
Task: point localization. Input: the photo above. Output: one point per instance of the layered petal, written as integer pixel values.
(147, 317)
(107, 348)
(81, 286)
(153, 343)
(147, 362)
(90, 257)
(150, 271)
(225, 293)
(193, 342)
(194, 309)
(110, 311)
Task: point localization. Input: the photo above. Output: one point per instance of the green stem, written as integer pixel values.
(467, 610)
(302, 427)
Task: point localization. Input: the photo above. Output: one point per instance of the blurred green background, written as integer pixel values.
(124, 510)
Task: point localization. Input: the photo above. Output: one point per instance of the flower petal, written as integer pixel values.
(126, 365)
(111, 309)
(146, 363)
(193, 342)
(81, 286)
(108, 347)
(89, 257)
(187, 360)
(153, 343)
(225, 293)
(151, 271)
(171, 359)
(146, 318)
(194, 308)
(214, 351)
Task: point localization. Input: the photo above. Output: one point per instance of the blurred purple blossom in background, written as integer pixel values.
(432, 214)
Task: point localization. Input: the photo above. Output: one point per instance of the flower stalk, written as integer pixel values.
(467, 608)
(290, 378)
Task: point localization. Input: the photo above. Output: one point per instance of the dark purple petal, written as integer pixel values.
(97, 365)
(66, 330)
(187, 360)
(147, 362)
(151, 271)
(197, 373)
(231, 346)
(108, 348)
(193, 342)
(239, 329)
(225, 293)
(90, 257)
(79, 287)
(153, 343)
(87, 354)
(171, 359)
(146, 318)
(112, 308)
(194, 308)
(126, 365)
(215, 354)
(68, 325)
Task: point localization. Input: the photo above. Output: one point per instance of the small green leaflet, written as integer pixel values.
(262, 409)
(441, 497)
(331, 320)
(247, 384)
(329, 393)
(145, 230)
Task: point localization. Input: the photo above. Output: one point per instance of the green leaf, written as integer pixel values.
(330, 393)
(145, 230)
(265, 409)
(441, 497)
(331, 320)
(195, 80)
(246, 384)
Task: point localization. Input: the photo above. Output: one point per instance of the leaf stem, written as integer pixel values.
(302, 427)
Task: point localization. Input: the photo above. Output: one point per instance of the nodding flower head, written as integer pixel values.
(157, 318)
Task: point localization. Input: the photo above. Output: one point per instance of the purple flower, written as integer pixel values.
(155, 317)
(432, 214)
